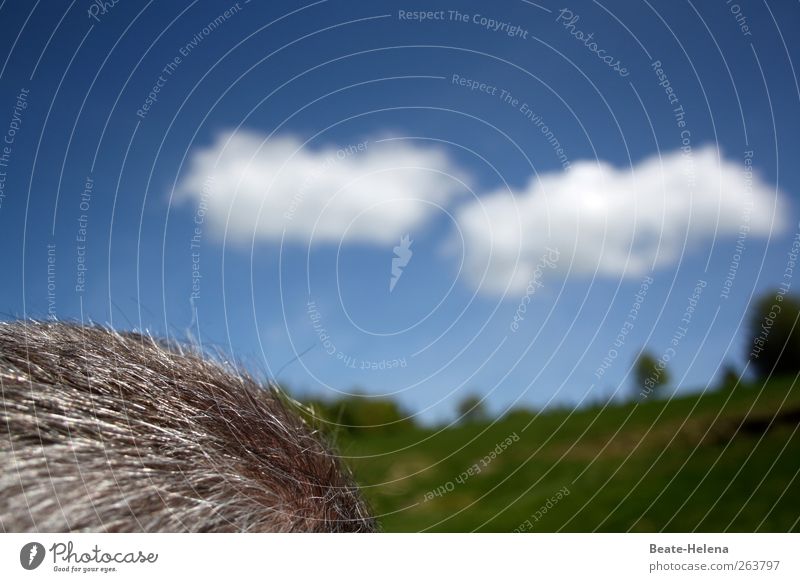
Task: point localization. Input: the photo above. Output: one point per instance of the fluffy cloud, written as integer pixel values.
(368, 192)
(616, 221)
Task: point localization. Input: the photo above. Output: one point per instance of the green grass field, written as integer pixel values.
(721, 461)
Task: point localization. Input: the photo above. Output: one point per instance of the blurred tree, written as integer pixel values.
(471, 409)
(360, 414)
(649, 374)
(774, 341)
(730, 378)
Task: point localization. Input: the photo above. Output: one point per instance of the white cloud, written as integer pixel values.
(618, 221)
(372, 193)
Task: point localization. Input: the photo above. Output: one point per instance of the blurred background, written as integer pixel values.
(530, 267)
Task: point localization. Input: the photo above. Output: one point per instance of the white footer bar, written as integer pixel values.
(414, 557)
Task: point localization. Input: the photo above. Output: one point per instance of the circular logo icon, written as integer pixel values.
(31, 555)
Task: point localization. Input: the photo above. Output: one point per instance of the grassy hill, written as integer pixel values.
(720, 461)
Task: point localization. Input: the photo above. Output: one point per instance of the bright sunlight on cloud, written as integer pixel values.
(373, 191)
(616, 221)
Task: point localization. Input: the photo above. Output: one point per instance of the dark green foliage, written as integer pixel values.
(471, 409)
(359, 414)
(730, 378)
(649, 374)
(774, 340)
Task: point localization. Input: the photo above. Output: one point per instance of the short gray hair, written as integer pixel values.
(106, 431)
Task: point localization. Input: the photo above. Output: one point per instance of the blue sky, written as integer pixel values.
(304, 141)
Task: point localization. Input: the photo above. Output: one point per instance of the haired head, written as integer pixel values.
(101, 431)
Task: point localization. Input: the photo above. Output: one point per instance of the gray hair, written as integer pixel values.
(104, 431)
